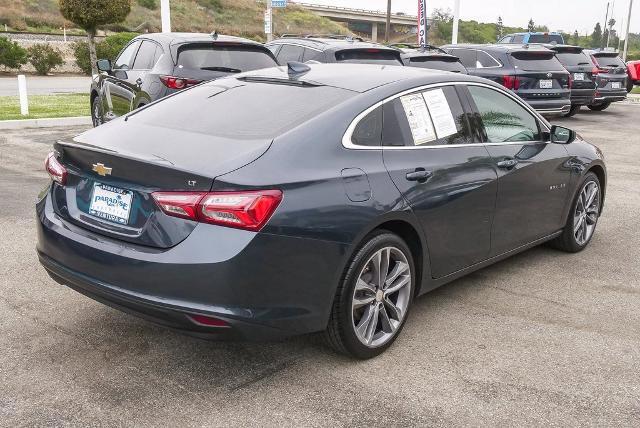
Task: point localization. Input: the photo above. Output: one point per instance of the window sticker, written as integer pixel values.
(418, 118)
(440, 113)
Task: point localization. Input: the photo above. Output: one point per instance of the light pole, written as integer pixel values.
(388, 26)
(165, 16)
(626, 38)
(456, 18)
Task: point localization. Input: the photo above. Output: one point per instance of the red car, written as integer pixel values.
(633, 70)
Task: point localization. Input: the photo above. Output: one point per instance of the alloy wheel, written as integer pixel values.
(381, 297)
(586, 213)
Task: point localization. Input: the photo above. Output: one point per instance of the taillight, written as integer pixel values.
(511, 82)
(172, 82)
(570, 81)
(249, 210)
(55, 169)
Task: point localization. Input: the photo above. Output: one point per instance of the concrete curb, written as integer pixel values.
(45, 123)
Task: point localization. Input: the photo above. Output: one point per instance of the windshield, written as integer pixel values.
(225, 58)
(368, 56)
(573, 58)
(610, 61)
(438, 64)
(536, 61)
(246, 110)
(546, 38)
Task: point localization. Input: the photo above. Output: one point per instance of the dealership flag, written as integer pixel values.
(422, 22)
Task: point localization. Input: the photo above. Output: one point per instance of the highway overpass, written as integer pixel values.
(362, 20)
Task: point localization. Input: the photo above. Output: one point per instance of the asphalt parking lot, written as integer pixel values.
(544, 338)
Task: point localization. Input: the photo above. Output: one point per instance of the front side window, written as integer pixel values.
(503, 118)
(433, 117)
(126, 57)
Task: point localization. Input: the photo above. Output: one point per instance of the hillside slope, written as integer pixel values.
(236, 17)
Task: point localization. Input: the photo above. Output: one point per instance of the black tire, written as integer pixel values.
(340, 333)
(599, 107)
(572, 111)
(96, 111)
(567, 241)
(629, 84)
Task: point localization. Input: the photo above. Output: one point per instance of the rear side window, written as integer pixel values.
(146, 54)
(608, 61)
(504, 119)
(310, 54)
(573, 58)
(437, 64)
(468, 57)
(247, 110)
(519, 38)
(536, 61)
(506, 39)
(433, 117)
(221, 57)
(290, 53)
(368, 132)
(126, 57)
(485, 60)
(546, 38)
(368, 56)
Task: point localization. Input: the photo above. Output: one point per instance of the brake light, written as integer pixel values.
(172, 82)
(511, 82)
(249, 210)
(208, 321)
(55, 169)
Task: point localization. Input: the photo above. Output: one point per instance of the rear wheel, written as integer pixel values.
(572, 111)
(599, 107)
(372, 302)
(583, 217)
(96, 111)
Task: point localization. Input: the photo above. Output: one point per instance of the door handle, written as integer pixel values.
(420, 175)
(507, 163)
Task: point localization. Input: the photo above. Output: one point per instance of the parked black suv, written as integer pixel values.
(332, 48)
(531, 71)
(611, 79)
(583, 80)
(152, 66)
(429, 56)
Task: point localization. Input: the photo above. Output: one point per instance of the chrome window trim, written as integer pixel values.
(348, 144)
(293, 44)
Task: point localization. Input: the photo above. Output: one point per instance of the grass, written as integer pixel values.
(636, 90)
(44, 106)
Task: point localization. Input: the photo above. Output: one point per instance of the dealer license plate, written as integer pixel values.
(615, 85)
(578, 76)
(110, 203)
(546, 84)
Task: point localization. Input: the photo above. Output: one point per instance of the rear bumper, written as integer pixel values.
(581, 97)
(551, 107)
(262, 285)
(610, 96)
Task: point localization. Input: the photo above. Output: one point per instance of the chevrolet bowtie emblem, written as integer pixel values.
(100, 169)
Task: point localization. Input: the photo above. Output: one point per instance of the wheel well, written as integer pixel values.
(599, 172)
(408, 233)
(94, 95)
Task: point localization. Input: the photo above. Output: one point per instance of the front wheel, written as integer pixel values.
(96, 111)
(599, 107)
(372, 302)
(583, 217)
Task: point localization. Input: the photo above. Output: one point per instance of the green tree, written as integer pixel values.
(12, 55)
(531, 26)
(596, 36)
(90, 14)
(44, 58)
(109, 48)
(500, 27)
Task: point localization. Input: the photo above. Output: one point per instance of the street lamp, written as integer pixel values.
(388, 27)
(456, 18)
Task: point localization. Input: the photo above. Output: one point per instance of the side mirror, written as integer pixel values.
(562, 135)
(104, 65)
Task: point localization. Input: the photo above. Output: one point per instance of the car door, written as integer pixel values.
(533, 174)
(137, 82)
(445, 175)
(116, 92)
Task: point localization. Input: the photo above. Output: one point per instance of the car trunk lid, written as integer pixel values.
(540, 75)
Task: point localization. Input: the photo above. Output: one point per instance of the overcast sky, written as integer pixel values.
(567, 15)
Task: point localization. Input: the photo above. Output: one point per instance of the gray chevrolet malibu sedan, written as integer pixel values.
(311, 198)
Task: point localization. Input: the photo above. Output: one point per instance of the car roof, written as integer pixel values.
(501, 47)
(328, 43)
(356, 77)
(418, 53)
(177, 38)
(555, 33)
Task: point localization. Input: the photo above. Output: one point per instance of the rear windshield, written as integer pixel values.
(573, 58)
(610, 61)
(229, 58)
(368, 56)
(438, 64)
(246, 110)
(546, 38)
(536, 61)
